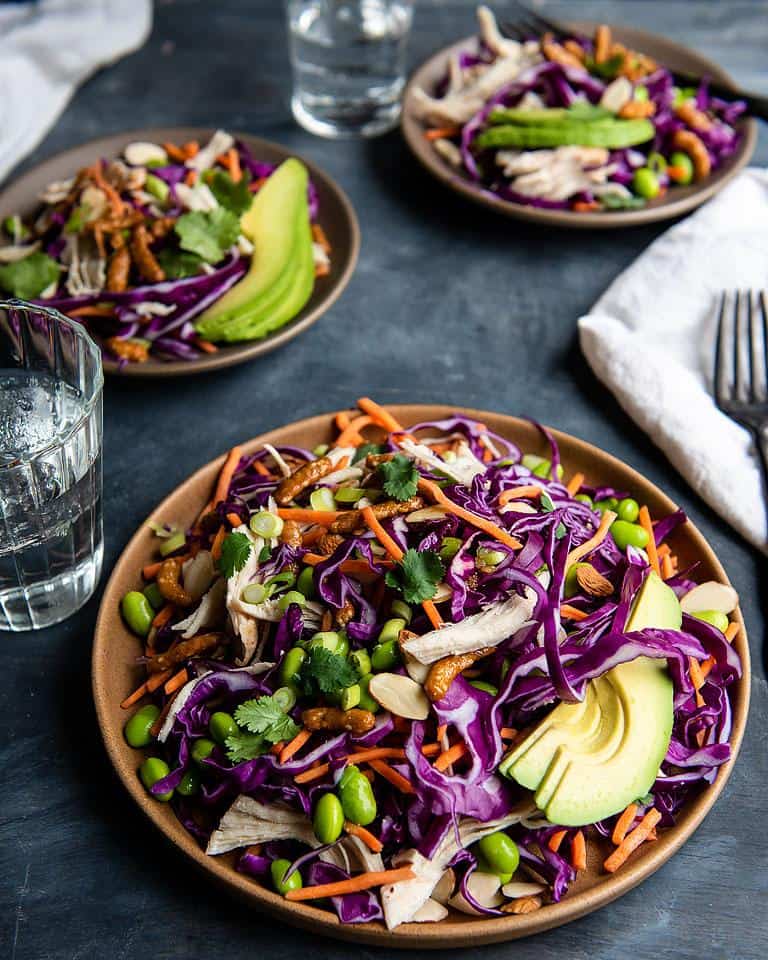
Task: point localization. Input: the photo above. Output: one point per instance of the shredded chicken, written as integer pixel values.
(208, 614)
(248, 821)
(219, 143)
(87, 271)
(557, 174)
(463, 469)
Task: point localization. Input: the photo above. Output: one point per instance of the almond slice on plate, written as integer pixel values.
(400, 695)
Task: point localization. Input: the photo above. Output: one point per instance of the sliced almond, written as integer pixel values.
(710, 596)
(425, 513)
(515, 507)
(445, 886)
(443, 592)
(416, 671)
(523, 905)
(592, 582)
(617, 94)
(141, 152)
(400, 695)
(431, 912)
(484, 888)
(519, 888)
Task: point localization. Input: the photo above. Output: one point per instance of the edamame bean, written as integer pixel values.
(645, 183)
(366, 700)
(202, 749)
(156, 187)
(222, 725)
(278, 870)
(361, 661)
(328, 821)
(391, 630)
(487, 687)
(151, 771)
(484, 867)
(584, 498)
(714, 617)
(384, 656)
(306, 582)
(356, 795)
(680, 168)
(500, 851)
(138, 728)
(137, 612)
(291, 664)
(152, 593)
(189, 783)
(335, 642)
(401, 609)
(628, 535)
(293, 596)
(285, 698)
(610, 503)
(628, 509)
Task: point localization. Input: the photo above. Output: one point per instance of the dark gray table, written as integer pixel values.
(448, 304)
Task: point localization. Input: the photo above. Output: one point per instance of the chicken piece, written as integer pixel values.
(248, 821)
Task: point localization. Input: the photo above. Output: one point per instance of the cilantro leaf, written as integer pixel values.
(325, 672)
(257, 716)
(245, 746)
(417, 575)
(209, 235)
(235, 551)
(27, 278)
(546, 502)
(401, 477)
(232, 196)
(179, 263)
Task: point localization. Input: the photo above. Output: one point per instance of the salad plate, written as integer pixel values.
(524, 178)
(192, 515)
(167, 312)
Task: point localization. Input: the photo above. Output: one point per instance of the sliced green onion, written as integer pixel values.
(306, 582)
(361, 661)
(266, 524)
(322, 499)
(285, 698)
(293, 596)
(487, 559)
(320, 450)
(349, 494)
(449, 547)
(281, 581)
(401, 609)
(173, 543)
(255, 593)
(156, 187)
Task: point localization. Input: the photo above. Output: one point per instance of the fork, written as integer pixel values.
(527, 24)
(741, 367)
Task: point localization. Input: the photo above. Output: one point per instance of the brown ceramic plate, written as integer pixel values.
(115, 674)
(678, 200)
(337, 218)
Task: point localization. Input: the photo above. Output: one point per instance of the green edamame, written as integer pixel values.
(680, 168)
(202, 749)
(293, 596)
(278, 870)
(571, 586)
(500, 851)
(137, 612)
(138, 728)
(291, 664)
(328, 821)
(384, 656)
(628, 535)
(152, 593)
(189, 783)
(152, 770)
(391, 630)
(715, 618)
(366, 700)
(645, 183)
(361, 661)
(356, 795)
(610, 503)
(584, 498)
(628, 509)
(222, 725)
(306, 582)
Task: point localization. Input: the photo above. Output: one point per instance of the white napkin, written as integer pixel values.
(47, 49)
(650, 339)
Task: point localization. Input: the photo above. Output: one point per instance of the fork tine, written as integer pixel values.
(512, 31)
(722, 380)
(758, 347)
(740, 326)
(541, 24)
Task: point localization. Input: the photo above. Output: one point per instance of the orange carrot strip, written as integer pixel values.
(190, 149)
(572, 613)
(261, 469)
(313, 535)
(343, 463)
(95, 311)
(205, 345)
(578, 851)
(233, 520)
(487, 526)
(227, 472)
(163, 616)
(342, 420)
(507, 733)
(379, 415)
(442, 133)
(363, 881)
(191, 178)
(514, 493)
(731, 630)
(373, 843)
(632, 841)
(372, 522)
(137, 694)
(556, 839)
(302, 515)
(151, 570)
(594, 541)
(667, 568)
(176, 681)
(276, 748)
(706, 667)
(361, 756)
(428, 606)
(395, 778)
(320, 237)
(663, 550)
(174, 152)
(235, 170)
(623, 824)
(158, 679)
(697, 679)
(356, 568)
(294, 745)
(450, 756)
(644, 519)
(574, 484)
(441, 731)
(218, 540)
(350, 436)
(585, 206)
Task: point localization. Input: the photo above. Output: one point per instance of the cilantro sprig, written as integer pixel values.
(325, 672)
(28, 277)
(235, 551)
(209, 235)
(417, 575)
(264, 722)
(400, 477)
(230, 195)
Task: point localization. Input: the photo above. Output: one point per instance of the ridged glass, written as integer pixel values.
(50, 466)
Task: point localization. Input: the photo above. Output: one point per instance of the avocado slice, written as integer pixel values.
(277, 224)
(586, 761)
(614, 134)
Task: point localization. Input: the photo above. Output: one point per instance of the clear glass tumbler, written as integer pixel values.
(50, 466)
(348, 59)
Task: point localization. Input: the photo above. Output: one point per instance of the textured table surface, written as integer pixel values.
(448, 304)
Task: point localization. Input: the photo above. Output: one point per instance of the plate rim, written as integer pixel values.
(413, 135)
(228, 355)
(462, 932)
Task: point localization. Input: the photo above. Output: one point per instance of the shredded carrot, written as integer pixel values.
(572, 613)
(151, 570)
(731, 631)
(487, 526)
(355, 568)
(487, 455)
(428, 606)
(556, 840)
(218, 541)
(163, 616)
(663, 550)
(113, 196)
(157, 726)
(373, 843)
(158, 679)
(442, 133)
(372, 522)
(303, 515)
(294, 745)
(363, 881)
(514, 493)
(350, 436)
(191, 178)
(276, 748)
(233, 520)
(320, 238)
(585, 206)
(632, 841)
(174, 152)
(137, 694)
(574, 484)
(379, 415)
(706, 667)
(676, 173)
(578, 851)
(361, 756)
(697, 679)
(313, 535)
(97, 310)
(450, 756)
(594, 541)
(507, 733)
(342, 420)
(322, 270)
(260, 469)
(667, 567)
(255, 185)
(395, 778)
(235, 170)
(441, 731)
(190, 149)
(623, 824)
(343, 463)
(644, 519)
(227, 472)
(205, 345)
(176, 682)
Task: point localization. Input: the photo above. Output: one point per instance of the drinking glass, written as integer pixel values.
(50, 466)
(348, 59)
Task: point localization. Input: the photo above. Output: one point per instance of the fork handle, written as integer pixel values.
(761, 436)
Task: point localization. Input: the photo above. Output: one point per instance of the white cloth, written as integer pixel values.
(47, 49)
(650, 339)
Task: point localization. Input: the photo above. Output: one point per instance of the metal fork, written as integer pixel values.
(741, 366)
